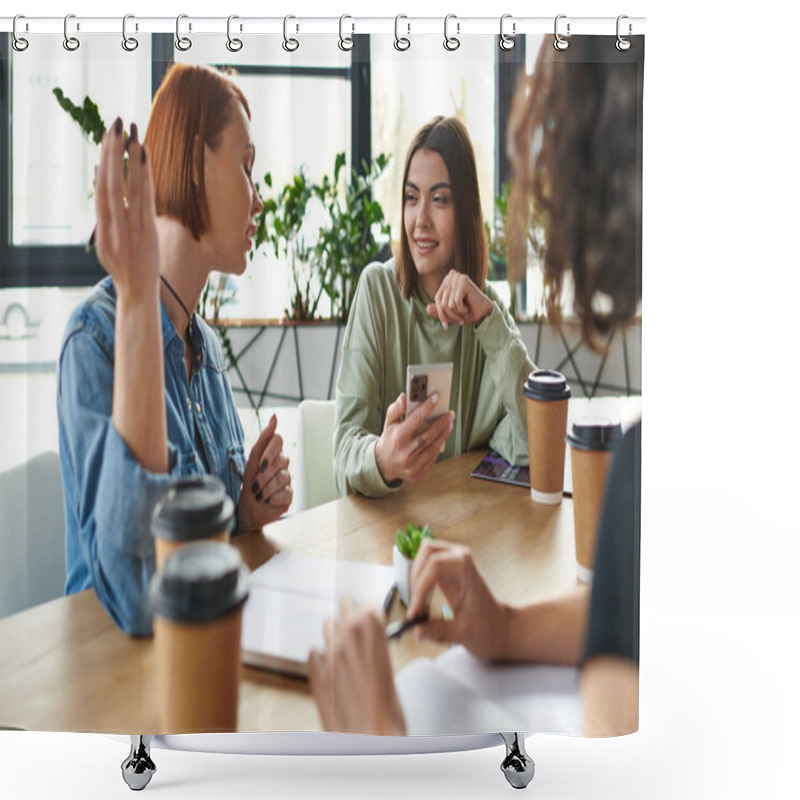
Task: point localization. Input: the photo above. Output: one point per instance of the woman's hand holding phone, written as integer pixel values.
(407, 449)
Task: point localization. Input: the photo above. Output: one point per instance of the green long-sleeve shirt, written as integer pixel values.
(386, 333)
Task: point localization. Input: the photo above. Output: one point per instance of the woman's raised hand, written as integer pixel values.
(125, 238)
(479, 622)
(459, 301)
(266, 486)
(407, 449)
(352, 680)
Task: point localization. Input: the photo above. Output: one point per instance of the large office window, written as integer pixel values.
(307, 106)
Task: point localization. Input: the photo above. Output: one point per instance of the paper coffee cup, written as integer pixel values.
(593, 441)
(546, 399)
(192, 509)
(197, 601)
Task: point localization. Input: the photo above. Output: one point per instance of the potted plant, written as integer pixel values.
(407, 542)
(326, 260)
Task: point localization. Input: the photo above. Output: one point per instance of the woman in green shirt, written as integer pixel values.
(429, 305)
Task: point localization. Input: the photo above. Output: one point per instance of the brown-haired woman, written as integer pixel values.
(431, 305)
(576, 151)
(143, 395)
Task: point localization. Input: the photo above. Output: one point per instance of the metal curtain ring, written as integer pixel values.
(234, 44)
(129, 43)
(20, 43)
(506, 42)
(345, 42)
(623, 44)
(183, 43)
(401, 43)
(560, 43)
(70, 42)
(290, 44)
(451, 42)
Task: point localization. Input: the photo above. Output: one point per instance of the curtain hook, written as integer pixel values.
(290, 44)
(507, 42)
(20, 43)
(622, 44)
(401, 42)
(561, 43)
(345, 42)
(129, 43)
(451, 42)
(234, 44)
(183, 43)
(70, 42)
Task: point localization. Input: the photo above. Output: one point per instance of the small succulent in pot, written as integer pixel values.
(406, 546)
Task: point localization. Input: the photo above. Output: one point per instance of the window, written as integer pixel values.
(307, 106)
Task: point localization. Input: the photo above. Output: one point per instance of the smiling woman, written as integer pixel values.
(430, 306)
(143, 396)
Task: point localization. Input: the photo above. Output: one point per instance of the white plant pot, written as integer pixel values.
(402, 574)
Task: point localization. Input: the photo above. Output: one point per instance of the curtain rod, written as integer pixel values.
(407, 25)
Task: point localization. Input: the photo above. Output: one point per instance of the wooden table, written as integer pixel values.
(64, 666)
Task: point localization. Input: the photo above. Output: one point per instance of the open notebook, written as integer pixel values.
(291, 596)
(457, 694)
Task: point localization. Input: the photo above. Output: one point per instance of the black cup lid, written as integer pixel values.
(193, 508)
(595, 434)
(546, 384)
(199, 583)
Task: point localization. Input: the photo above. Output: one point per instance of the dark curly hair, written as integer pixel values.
(575, 146)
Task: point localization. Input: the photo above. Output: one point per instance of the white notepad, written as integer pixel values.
(292, 595)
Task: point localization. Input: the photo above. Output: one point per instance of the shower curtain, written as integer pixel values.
(332, 116)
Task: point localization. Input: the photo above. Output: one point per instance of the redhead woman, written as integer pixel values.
(143, 396)
(430, 305)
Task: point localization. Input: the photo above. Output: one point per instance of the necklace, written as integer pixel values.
(182, 305)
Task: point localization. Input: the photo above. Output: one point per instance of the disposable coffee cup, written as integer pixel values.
(593, 441)
(197, 601)
(547, 396)
(192, 509)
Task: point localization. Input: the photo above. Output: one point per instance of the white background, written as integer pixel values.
(720, 551)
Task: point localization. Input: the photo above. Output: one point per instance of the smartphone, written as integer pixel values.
(422, 380)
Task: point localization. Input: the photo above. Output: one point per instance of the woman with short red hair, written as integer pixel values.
(143, 394)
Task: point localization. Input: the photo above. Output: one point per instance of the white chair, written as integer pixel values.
(32, 549)
(314, 483)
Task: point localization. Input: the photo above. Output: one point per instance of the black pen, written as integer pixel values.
(387, 603)
(397, 629)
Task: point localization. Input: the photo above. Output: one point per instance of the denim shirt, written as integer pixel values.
(108, 496)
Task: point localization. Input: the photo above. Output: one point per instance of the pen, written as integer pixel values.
(397, 629)
(387, 603)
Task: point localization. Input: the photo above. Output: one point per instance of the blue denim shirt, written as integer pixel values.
(108, 496)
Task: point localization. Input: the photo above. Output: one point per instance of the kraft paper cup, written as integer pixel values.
(197, 602)
(593, 441)
(546, 399)
(192, 509)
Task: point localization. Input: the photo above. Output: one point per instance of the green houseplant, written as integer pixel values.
(327, 259)
(407, 542)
